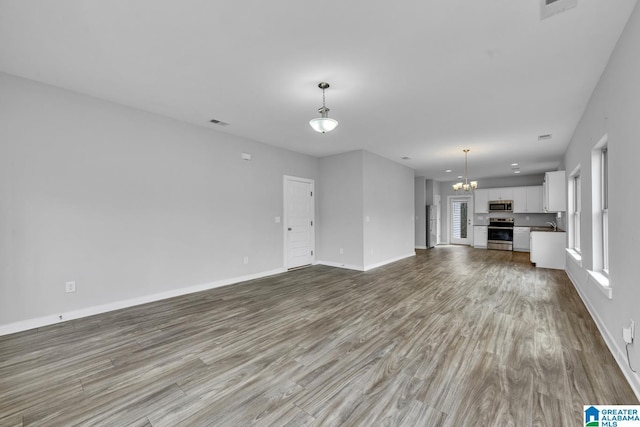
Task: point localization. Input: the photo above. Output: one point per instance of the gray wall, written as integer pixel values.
(433, 192)
(388, 209)
(420, 192)
(368, 212)
(340, 197)
(508, 181)
(133, 206)
(613, 111)
(126, 203)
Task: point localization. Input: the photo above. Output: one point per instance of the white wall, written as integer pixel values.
(613, 110)
(365, 186)
(128, 204)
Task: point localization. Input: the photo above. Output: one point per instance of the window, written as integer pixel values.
(575, 211)
(604, 191)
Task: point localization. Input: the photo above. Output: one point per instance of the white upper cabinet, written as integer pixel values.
(481, 201)
(527, 199)
(501, 193)
(534, 199)
(554, 191)
(520, 199)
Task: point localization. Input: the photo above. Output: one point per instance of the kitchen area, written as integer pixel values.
(523, 219)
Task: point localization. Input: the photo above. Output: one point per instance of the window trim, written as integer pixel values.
(600, 209)
(574, 219)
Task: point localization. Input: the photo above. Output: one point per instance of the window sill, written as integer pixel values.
(602, 282)
(576, 256)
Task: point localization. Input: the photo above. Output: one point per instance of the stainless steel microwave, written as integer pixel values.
(501, 206)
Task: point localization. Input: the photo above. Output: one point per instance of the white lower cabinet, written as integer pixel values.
(521, 239)
(480, 236)
(547, 249)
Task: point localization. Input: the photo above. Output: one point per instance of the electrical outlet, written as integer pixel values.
(341, 251)
(246, 260)
(70, 287)
(628, 333)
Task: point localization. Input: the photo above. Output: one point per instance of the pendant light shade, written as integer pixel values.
(323, 124)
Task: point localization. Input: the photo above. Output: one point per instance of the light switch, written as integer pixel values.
(246, 156)
(277, 220)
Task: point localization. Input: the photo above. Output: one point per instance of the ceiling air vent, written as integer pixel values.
(553, 7)
(218, 122)
(546, 137)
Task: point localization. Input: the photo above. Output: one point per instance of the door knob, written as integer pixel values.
(289, 228)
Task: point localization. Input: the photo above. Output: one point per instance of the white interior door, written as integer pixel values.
(460, 221)
(298, 221)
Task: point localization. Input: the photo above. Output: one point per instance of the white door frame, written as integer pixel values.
(285, 255)
(469, 200)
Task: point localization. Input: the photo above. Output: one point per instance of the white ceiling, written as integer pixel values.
(421, 79)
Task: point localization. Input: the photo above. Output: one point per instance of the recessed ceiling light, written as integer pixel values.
(406, 158)
(516, 171)
(460, 177)
(514, 164)
(448, 171)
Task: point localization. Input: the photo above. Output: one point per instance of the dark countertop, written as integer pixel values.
(547, 228)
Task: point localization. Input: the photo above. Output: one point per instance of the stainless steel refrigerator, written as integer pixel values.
(433, 225)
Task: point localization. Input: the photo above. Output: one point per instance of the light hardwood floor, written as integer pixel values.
(453, 337)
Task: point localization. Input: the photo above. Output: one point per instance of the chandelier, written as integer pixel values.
(466, 186)
(323, 123)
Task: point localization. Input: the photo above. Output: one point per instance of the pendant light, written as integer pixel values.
(323, 123)
(466, 186)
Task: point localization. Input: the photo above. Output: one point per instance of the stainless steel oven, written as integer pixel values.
(500, 234)
(501, 206)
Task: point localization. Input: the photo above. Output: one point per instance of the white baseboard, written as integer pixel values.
(421, 247)
(618, 353)
(39, 322)
(341, 265)
(368, 267)
(388, 261)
